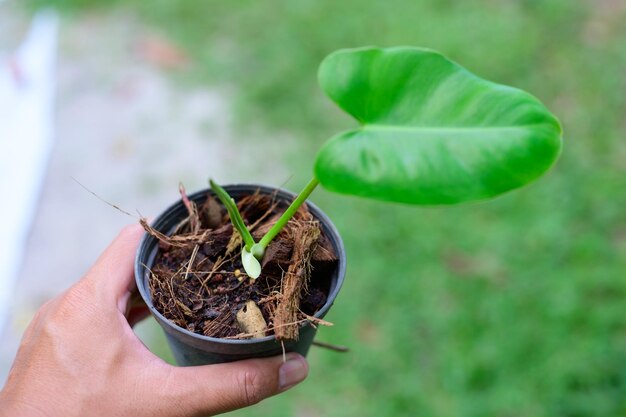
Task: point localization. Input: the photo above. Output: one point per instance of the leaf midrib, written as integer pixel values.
(379, 127)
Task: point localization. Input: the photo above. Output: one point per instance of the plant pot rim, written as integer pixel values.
(326, 225)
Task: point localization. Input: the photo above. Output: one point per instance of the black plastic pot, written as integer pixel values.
(193, 349)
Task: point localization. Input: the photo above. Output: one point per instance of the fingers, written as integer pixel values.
(113, 272)
(215, 389)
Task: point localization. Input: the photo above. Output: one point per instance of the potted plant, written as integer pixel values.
(429, 133)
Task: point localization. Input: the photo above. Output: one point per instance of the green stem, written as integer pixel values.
(288, 214)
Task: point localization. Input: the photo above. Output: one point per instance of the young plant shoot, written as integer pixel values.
(430, 133)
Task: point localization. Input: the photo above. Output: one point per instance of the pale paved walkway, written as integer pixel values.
(130, 135)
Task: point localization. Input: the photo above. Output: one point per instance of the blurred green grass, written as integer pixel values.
(515, 307)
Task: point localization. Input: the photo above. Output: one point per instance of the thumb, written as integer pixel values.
(215, 389)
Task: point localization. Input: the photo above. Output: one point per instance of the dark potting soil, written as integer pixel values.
(198, 282)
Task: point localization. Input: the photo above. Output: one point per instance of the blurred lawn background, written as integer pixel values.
(515, 307)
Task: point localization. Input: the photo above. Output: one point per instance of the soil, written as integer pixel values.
(197, 280)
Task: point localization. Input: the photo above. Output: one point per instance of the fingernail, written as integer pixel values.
(293, 371)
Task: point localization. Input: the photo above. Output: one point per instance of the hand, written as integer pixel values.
(79, 356)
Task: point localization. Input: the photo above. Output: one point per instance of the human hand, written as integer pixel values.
(79, 356)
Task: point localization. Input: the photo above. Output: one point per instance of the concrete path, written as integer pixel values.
(125, 131)
(27, 80)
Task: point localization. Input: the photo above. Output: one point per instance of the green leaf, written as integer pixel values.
(430, 131)
(233, 213)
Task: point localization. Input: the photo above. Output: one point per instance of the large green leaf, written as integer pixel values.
(430, 131)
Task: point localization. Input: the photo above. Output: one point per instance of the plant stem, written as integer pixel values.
(288, 214)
